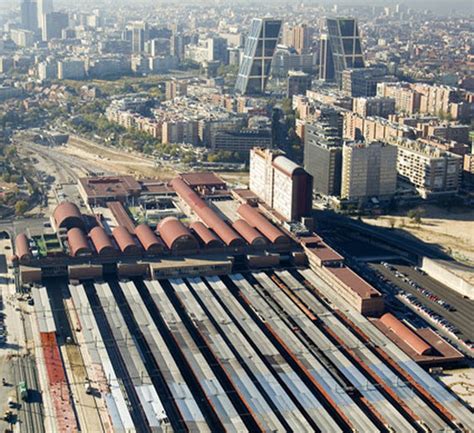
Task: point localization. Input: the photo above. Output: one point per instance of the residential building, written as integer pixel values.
(176, 88)
(48, 70)
(180, 131)
(368, 170)
(258, 54)
(22, 38)
(407, 100)
(373, 128)
(430, 170)
(243, 140)
(362, 82)
(373, 106)
(71, 69)
(280, 183)
(323, 150)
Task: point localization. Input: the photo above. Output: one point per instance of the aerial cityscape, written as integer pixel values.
(236, 216)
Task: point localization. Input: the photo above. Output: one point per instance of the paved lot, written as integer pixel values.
(463, 316)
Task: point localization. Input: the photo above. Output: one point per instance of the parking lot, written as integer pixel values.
(446, 307)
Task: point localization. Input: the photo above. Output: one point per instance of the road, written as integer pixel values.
(384, 235)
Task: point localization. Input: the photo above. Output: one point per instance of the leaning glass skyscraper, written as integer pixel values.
(258, 54)
(345, 45)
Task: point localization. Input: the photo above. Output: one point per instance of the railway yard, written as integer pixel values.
(211, 317)
(257, 351)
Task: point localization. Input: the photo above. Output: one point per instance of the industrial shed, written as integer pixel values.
(206, 214)
(67, 215)
(255, 219)
(78, 243)
(151, 243)
(22, 247)
(125, 241)
(102, 242)
(208, 238)
(176, 235)
(252, 236)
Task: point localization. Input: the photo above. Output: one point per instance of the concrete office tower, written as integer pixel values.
(43, 7)
(258, 55)
(140, 34)
(53, 25)
(326, 64)
(29, 15)
(323, 151)
(368, 170)
(345, 45)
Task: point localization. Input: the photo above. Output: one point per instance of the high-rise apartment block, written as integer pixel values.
(362, 82)
(280, 183)
(407, 100)
(323, 150)
(373, 128)
(303, 36)
(345, 45)
(368, 170)
(22, 38)
(412, 98)
(429, 169)
(258, 55)
(175, 88)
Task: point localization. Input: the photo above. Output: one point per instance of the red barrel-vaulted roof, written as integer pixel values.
(206, 214)
(252, 236)
(22, 247)
(176, 235)
(67, 215)
(207, 237)
(255, 219)
(150, 242)
(125, 241)
(102, 242)
(78, 242)
(406, 334)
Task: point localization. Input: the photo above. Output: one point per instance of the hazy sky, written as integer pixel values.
(466, 6)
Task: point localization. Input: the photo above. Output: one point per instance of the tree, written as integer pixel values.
(415, 215)
(21, 206)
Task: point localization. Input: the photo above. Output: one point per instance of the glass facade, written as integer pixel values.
(345, 44)
(258, 55)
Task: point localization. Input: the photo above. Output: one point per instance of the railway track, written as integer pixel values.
(30, 412)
